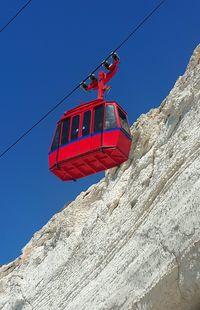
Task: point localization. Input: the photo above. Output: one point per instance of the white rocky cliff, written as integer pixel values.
(132, 241)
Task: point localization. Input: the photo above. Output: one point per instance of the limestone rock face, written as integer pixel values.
(132, 241)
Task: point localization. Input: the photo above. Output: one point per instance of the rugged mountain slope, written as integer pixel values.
(132, 241)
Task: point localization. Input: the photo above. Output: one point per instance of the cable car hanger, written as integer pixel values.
(104, 78)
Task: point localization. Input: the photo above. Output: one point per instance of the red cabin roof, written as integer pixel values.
(86, 106)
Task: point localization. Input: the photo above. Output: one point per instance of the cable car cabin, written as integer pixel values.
(92, 137)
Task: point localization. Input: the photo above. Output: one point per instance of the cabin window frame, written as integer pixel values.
(115, 125)
(102, 105)
(52, 149)
(120, 123)
(78, 127)
(90, 123)
(62, 130)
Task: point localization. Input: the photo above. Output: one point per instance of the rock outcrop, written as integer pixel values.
(132, 241)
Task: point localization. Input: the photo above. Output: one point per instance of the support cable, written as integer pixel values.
(12, 19)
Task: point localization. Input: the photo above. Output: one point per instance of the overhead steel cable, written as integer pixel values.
(129, 36)
(77, 86)
(39, 121)
(20, 10)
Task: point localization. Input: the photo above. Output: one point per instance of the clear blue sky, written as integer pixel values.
(45, 52)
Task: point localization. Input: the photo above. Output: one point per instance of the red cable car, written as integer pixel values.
(92, 137)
